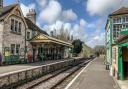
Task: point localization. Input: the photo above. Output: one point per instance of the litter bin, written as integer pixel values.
(107, 66)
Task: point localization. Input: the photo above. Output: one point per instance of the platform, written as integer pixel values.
(93, 76)
(11, 68)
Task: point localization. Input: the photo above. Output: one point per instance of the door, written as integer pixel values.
(41, 55)
(120, 64)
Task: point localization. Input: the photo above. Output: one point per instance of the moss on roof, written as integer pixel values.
(33, 26)
(6, 10)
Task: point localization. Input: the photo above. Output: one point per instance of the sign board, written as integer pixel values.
(124, 31)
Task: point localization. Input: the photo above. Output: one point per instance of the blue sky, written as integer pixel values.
(85, 19)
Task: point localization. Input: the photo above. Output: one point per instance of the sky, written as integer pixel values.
(84, 19)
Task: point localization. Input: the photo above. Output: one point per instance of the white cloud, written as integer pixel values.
(91, 25)
(25, 9)
(102, 7)
(97, 39)
(68, 26)
(42, 3)
(69, 15)
(38, 24)
(79, 31)
(51, 12)
(96, 25)
(83, 22)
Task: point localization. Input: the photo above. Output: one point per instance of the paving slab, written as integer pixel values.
(94, 77)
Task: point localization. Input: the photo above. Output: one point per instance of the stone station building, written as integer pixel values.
(19, 38)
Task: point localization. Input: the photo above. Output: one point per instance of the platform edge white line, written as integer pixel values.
(67, 87)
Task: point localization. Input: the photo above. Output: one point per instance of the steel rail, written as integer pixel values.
(78, 66)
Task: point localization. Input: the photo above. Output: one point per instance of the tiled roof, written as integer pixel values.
(122, 37)
(33, 26)
(6, 10)
(123, 10)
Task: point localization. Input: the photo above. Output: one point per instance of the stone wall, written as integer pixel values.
(15, 78)
(12, 38)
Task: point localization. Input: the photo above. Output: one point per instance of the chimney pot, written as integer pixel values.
(31, 15)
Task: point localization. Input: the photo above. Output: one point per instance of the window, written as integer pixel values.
(126, 19)
(117, 20)
(114, 20)
(28, 35)
(33, 33)
(123, 19)
(124, 26)
(12, 49)
(12, 24)
(16, 26)
(116, 30)
(17, 48)
(127, 26)
(19, 27)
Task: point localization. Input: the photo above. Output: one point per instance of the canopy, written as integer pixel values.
(42, 38)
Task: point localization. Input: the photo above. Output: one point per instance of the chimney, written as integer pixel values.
(1, 4)
(31, 15)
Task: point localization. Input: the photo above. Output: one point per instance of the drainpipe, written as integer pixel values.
(25, 46)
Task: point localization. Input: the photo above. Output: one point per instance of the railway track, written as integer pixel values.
(52, 80)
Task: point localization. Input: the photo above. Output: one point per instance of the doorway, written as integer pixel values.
(125, 61)
(40, 53)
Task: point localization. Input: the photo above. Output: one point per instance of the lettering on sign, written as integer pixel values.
(124, 30)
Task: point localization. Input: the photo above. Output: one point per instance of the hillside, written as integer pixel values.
(86, 51)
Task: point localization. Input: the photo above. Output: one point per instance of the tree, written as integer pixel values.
(64, 34)
(77, 46)
(100, 50)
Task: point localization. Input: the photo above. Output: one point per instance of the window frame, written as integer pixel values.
(17, 48)
(16, 26)
(28, 37)
(12, 25)
(12, 49)
(19, 27)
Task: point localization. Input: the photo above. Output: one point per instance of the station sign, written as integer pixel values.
(124, 31)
